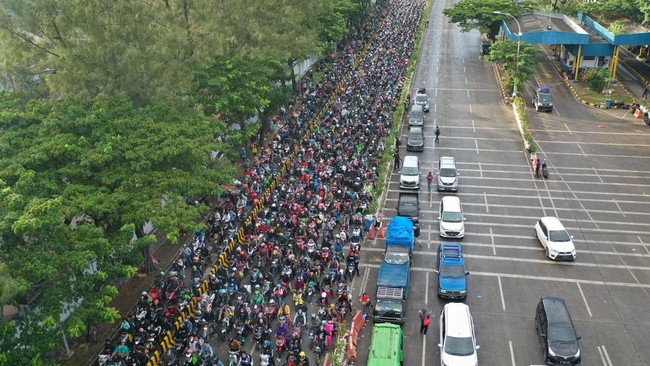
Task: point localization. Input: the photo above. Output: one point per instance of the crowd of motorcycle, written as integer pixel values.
(287, 288)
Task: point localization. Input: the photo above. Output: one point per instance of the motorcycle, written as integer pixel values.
(280, 342)
(325, 254)
(233, 358)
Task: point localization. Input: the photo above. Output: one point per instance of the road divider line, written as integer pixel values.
(584, 299)
(487, 207)
(598, 175)
(503, 301)
(494, 248)
(424, 349)
(538, 278)
(426, 290)
(476, 144)
(473, 125)
(619, 207)
(644, 245)
(512, 353)
(604, 356)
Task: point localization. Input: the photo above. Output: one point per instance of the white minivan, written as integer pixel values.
(457, 338)
(410, 174)
(451, 218)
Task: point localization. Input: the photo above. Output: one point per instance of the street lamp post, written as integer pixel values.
(519, 34)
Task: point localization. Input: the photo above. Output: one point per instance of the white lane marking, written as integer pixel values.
(464, 70)
(597, 175)
(538, 278)
(619, 207)
(548, 153)
(473, 126)
(567, 128)
(435, 107)
(644, 245)
(604, 356)
(364, 281)
(466, 82)
(436, 93)
(476, 143)
(426, 290)
(584, 299)
(494, 248)
(487, 207)
(470, 108)
(512, 353)
(529, 260)
(424, 348)
(468, 94)
(503, 301)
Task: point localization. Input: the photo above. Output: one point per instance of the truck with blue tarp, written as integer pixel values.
(392, 285)
(400, 232)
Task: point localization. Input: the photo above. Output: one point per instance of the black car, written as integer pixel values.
(556, 332)
(542, 99)
(415, 140)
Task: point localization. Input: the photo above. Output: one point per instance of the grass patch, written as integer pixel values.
(591, 96)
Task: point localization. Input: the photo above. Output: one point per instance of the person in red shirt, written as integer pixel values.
(365, 302)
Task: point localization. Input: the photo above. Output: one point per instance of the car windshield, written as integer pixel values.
(452, 216)
(545, 98)
(459, 346)
(409, 170)
(421, 98)
(447, 172)
(396, 257)
(561, 333)
(415, 136)
(450, 271)
(388, 306)
(559, 236)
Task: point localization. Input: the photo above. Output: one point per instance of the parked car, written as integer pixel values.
(416, 115)
(415, 140)
(421, 98)
(555, 239)
(557, 332)
(457, 338)
(450, 219)
(447, 179)
(450, 267)
(542, 99)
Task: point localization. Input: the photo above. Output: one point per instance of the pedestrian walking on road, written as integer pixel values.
(397, 159)
(437, 134)
(398, 143)
(645, 93)
(429, 180)
(424, 326)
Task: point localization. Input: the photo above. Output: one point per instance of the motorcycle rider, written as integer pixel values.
(300, 318)
(245, 359)
(302, 359)
(353, 260)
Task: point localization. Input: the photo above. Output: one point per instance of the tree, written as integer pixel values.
(472, 14)
(518, 69)
(333, 21)
(240, 88)
(604, 10)
(597, 79)
(78, 179)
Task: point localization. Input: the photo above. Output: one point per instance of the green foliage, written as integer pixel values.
(472, 14)
(597, 79)
(519, 69)
(616, 28)
(333, 21)
(77, 179)
(520, 106)
(603, 10)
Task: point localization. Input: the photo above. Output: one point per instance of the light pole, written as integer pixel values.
(514, 87)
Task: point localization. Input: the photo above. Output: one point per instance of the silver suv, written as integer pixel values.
(421, 98)
(447, 174)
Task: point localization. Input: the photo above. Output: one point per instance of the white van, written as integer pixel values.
(410, 174)
(451, 218)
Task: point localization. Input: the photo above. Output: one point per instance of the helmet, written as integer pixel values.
(302, 354)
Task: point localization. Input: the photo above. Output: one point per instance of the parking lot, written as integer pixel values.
(599, 187)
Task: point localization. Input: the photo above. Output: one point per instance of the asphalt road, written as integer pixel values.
(599, 187)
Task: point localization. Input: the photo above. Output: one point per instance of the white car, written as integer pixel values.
(451, 220)
(457, 339)
(555, 239)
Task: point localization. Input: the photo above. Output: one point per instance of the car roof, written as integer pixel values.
(446, 160)
(556, 310)
(458, 320)
(552, 223)
(451, 201)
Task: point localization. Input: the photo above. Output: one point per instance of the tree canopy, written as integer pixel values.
(518, 67)
(472, 14)
(77, 180)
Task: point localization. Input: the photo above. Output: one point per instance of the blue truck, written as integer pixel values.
(450, 267)
(400, 232)
(392, 285)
